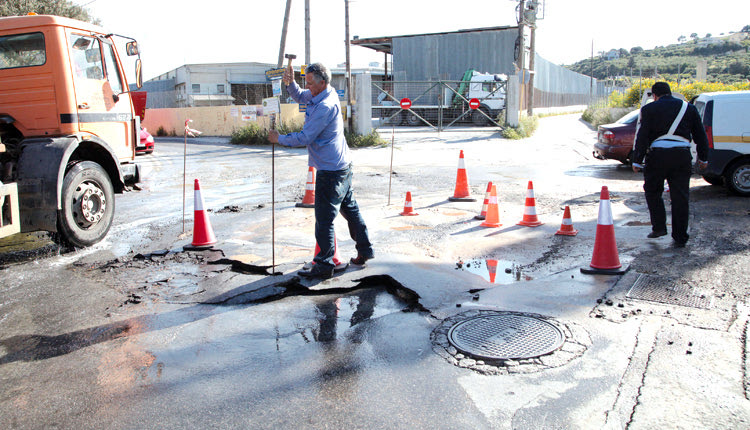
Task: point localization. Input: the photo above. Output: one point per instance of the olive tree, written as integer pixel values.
(64, 8)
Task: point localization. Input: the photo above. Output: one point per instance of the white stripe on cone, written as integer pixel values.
(198, 200)
(605, 213)
(529, 210)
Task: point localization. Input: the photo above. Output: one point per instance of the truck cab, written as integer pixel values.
(67, 123)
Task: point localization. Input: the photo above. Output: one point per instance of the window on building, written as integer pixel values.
(196, 88)
(220, 88)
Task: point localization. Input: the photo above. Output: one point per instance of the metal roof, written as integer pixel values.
(385, 43)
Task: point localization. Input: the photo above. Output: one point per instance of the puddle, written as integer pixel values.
(494, 271)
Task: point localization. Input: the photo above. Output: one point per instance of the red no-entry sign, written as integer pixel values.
(474, 103)
(405, 103)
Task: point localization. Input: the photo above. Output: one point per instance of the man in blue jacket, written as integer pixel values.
(665, 130)
(328, 152)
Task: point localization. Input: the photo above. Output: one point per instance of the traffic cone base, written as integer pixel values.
(203, 234)
(408, 208)
(308, 201)
(529, 211)
(566, 228)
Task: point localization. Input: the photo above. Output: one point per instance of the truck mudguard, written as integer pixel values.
(41, 170)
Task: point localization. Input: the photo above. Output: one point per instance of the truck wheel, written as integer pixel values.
(412, 119)
(88, 205)
(478, 119)
(737, 178)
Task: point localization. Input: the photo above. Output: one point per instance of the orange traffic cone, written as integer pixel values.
(492, 269)
(529, 211)
(483, 214)
(203, 234)
(309, 200)
(408, 209)
(605, 260)
(493, 213)
(461, 193)
(338, 264)
(566, 228)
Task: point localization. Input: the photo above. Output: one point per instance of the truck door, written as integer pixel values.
(97, 80)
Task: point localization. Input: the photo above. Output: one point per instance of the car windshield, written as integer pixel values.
(629, 118)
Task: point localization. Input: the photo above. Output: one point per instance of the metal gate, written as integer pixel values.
(438, 105)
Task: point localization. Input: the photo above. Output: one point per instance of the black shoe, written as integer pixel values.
(360, 260)
(317, 272)
(655, 234)
(679, 244)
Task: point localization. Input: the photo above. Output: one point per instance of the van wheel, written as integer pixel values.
(737, 178)
(88, 205)
(714, 180)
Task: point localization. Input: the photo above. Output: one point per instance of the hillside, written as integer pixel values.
(727, 57)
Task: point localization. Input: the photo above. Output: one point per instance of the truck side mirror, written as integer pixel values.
(138, 73)
(131, 48)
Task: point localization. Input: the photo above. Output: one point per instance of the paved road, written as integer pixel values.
(135, 332)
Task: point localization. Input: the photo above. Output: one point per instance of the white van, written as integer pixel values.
(726, 117)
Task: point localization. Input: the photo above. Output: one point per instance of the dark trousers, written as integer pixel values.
(674, 165)
(333, 194)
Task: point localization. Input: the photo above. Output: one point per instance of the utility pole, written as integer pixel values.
(521, 48)
(531, 16)
(348, 70)
(307, 32)
(282, 46)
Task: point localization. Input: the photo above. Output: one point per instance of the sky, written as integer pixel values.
(193, 31)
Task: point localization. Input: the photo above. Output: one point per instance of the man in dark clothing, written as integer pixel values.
(665, 129)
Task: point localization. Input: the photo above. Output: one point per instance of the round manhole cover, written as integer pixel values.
(505, 337)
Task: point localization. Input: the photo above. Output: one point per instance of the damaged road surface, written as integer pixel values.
(451, 325)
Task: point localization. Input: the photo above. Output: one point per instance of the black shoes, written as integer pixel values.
(360, 260)
(317, 272)
(655, 234)
(679, 244)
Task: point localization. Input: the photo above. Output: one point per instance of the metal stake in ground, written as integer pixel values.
(273, 198)
(390, 174)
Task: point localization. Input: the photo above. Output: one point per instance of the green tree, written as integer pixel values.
(681, 39)
(746, 29)
(64, 8)
(636, 50)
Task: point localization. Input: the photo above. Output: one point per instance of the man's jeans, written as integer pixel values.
(333, 194)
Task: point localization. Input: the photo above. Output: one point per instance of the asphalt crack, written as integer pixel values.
(294, 287)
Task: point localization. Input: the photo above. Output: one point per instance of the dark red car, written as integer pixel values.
(615, 141)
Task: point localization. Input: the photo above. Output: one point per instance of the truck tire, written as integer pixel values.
(413, 120)
(478, 119)
(88, 205)
(737, 177)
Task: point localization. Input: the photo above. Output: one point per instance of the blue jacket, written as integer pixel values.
(323, 132)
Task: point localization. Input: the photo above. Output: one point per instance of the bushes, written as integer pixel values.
(526, 127)
(254, 134)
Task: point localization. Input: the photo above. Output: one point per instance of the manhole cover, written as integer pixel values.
(662, 290)
(505, 337)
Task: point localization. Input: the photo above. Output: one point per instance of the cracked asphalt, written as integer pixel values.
(137, 332)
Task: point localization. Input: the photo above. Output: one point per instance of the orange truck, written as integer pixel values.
(68, 126)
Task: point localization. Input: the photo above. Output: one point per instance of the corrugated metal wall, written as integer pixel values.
(448, 56)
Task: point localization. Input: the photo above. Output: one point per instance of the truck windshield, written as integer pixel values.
(22, 50)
